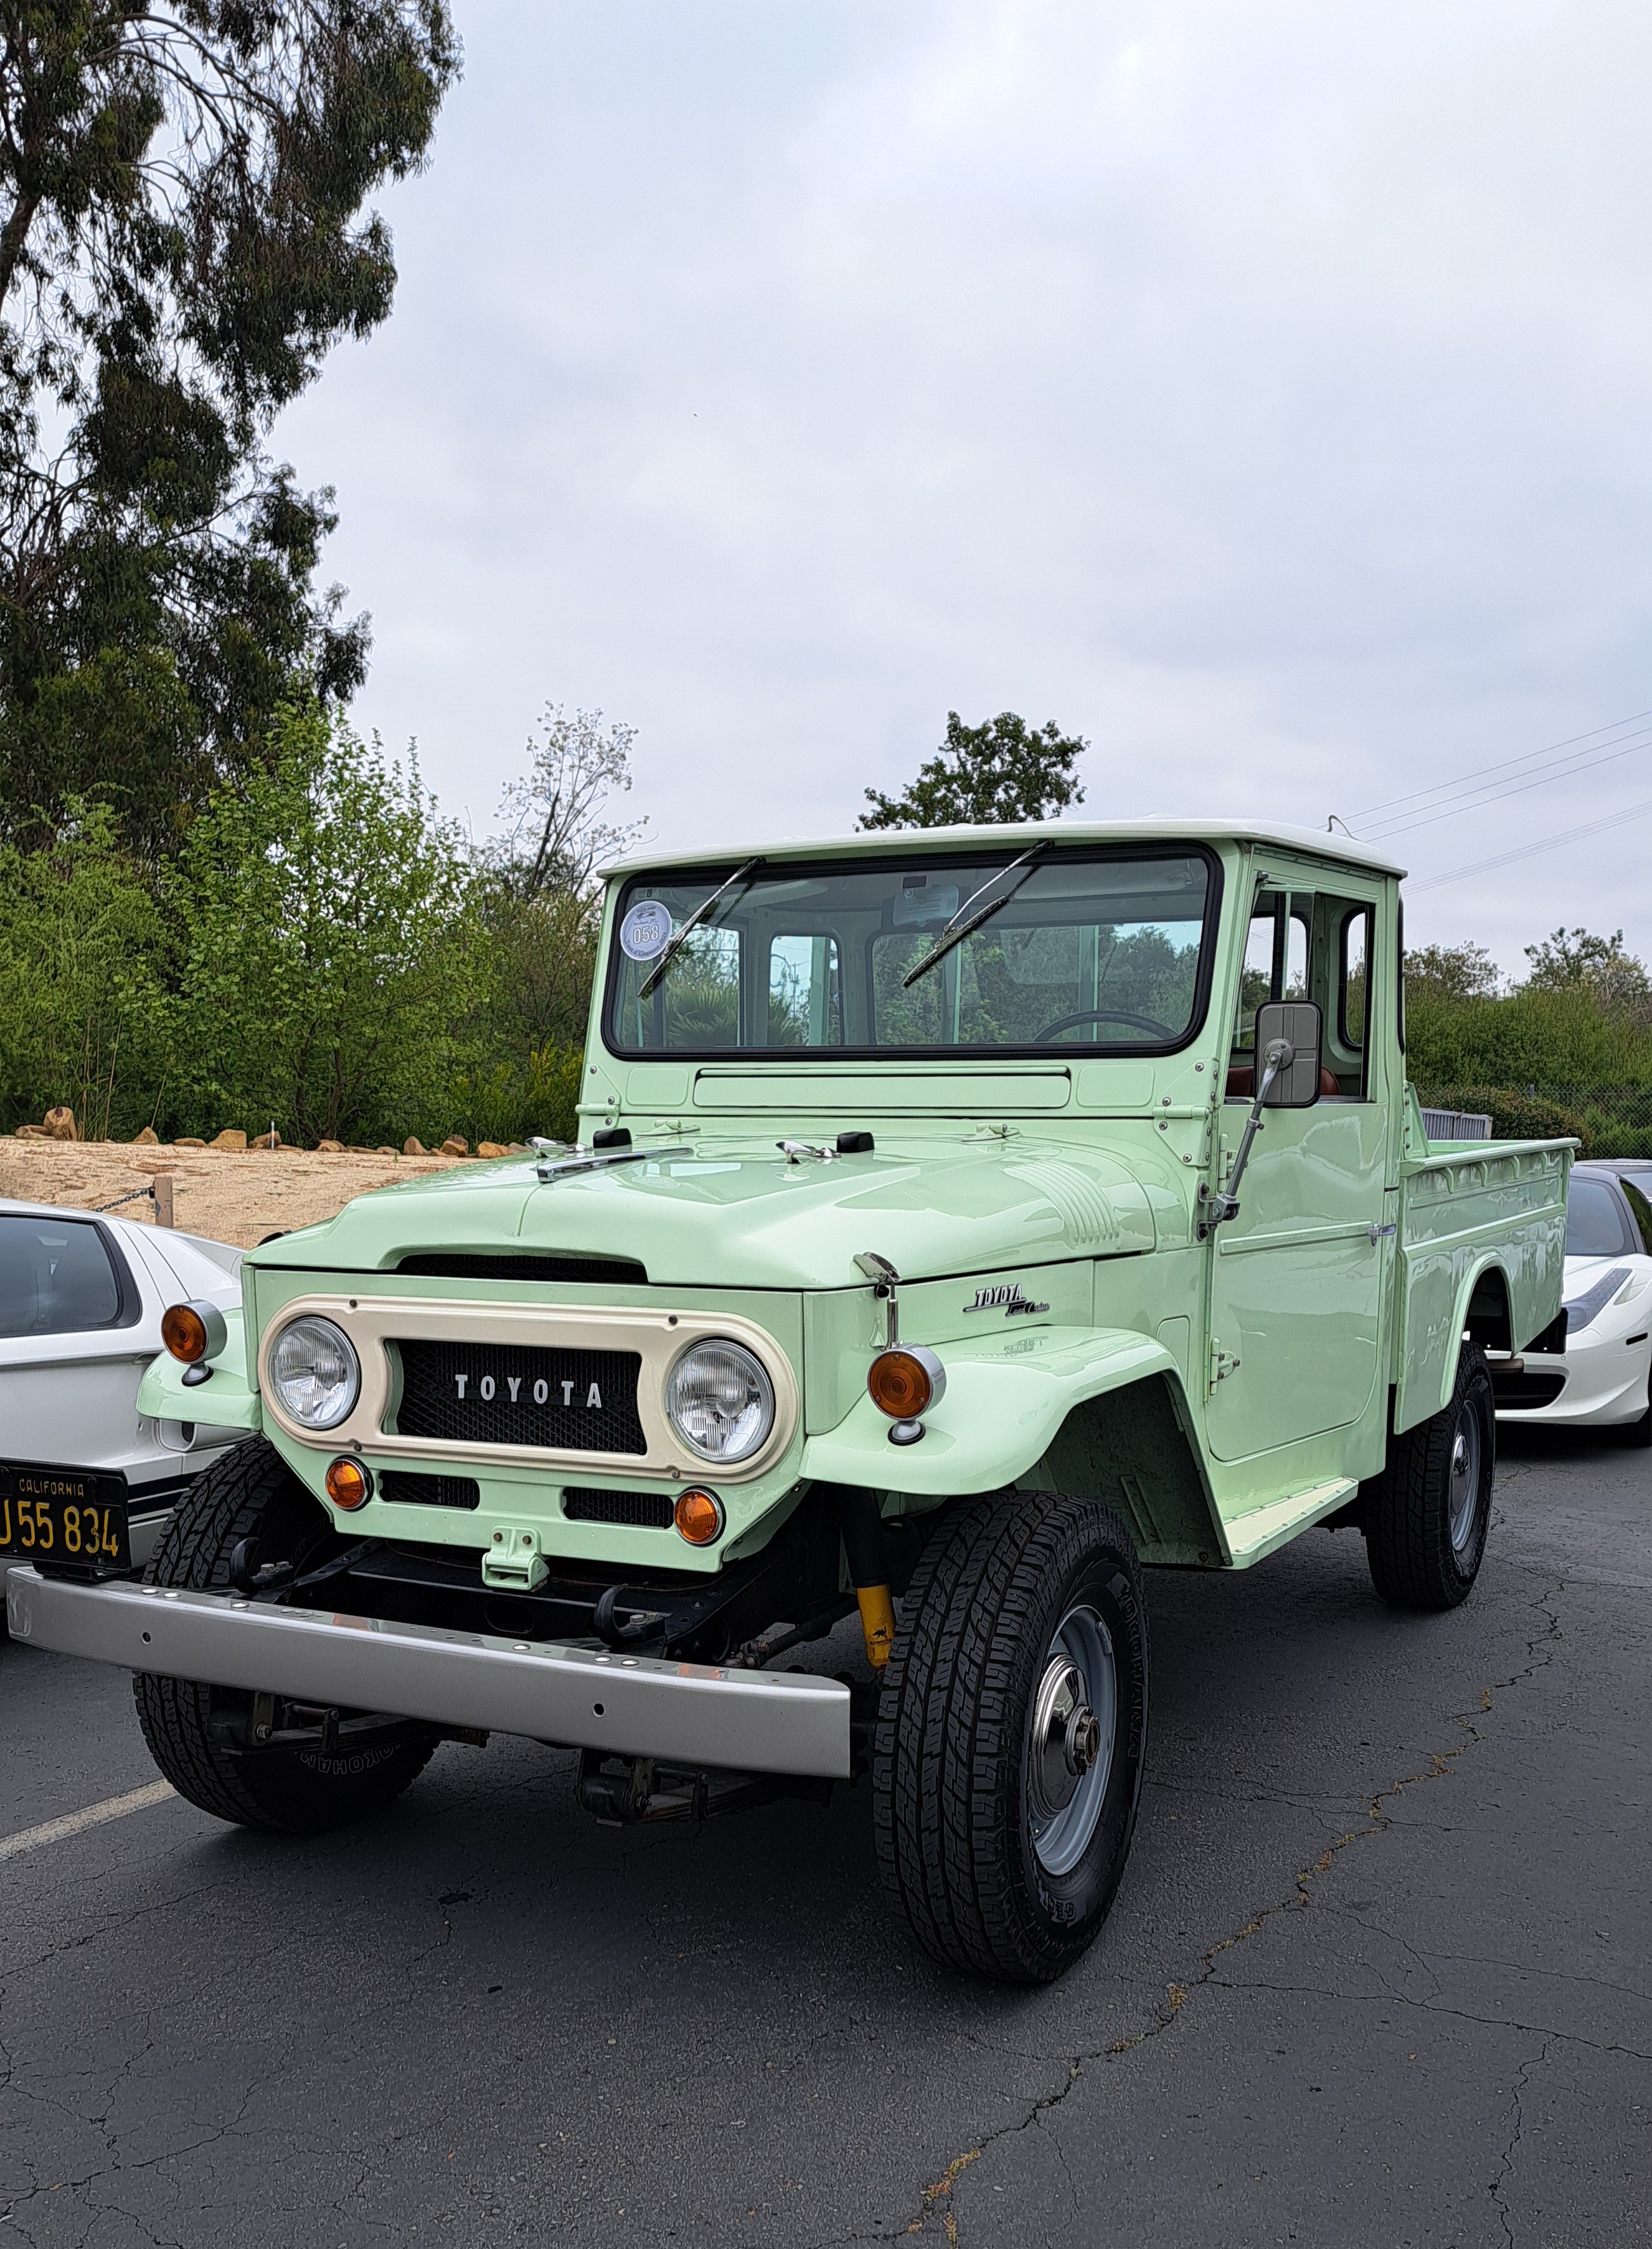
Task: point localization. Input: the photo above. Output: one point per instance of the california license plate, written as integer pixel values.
(63, 1519)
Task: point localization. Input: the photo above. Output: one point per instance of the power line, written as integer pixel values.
(1499, 766)
(1490, 793)
(1530, 850)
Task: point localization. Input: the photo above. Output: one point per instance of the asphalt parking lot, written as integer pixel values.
(1377, 1974)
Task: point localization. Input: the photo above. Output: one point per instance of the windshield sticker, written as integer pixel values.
(646, 931)
(917, 907)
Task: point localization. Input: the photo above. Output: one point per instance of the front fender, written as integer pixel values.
(1007, 1398)
(227, 1401)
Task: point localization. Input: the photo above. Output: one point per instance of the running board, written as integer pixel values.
(1250, 1537)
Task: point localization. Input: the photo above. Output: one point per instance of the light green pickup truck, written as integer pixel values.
(962, 1221)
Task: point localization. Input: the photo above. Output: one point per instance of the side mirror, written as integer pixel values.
(1294, 1025)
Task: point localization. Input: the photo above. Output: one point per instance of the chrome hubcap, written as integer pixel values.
(1465, 1481)
(1070, 1740)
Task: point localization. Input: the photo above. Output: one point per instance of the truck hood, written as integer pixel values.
(737, 1213)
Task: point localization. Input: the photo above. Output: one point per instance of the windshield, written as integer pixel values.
(1102, 953)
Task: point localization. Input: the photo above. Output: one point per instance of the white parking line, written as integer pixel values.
(73, 1823)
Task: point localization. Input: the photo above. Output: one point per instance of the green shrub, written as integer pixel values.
(1514, 1116)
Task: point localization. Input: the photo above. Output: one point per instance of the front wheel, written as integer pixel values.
(1011, 1734)
(196, 1734)
(1428, 1513)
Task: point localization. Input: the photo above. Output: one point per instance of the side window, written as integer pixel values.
(56, 1278)
(806, 992)
(1639, 1211)
(1355, 955)
(1275, 965)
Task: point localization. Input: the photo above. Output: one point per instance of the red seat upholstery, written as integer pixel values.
(1241, 1080)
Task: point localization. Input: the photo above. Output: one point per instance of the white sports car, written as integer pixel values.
(86, 1480)
(1601, 1381)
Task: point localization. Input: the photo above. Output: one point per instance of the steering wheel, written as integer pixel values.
(1104, 1015)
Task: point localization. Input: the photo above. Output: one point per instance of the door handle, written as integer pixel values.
(1382, 1233)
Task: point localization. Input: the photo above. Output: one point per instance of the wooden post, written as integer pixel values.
(162, 1184)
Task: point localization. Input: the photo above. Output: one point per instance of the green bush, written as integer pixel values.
(1531, 1037)
(1514, 1116)
(324, 954)
(82, 955)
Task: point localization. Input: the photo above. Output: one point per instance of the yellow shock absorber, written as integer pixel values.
(877, 1622)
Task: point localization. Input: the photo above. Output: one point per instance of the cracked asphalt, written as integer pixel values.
(1377, 1973)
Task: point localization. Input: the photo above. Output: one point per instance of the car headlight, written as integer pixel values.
(315, 1373)
(720, 1400)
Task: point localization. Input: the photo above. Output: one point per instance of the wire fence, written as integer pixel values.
(1610, 1120)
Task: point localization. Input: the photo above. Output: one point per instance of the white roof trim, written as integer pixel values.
(1314, 841)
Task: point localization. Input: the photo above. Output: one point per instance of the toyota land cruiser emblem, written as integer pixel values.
(1005, 1297)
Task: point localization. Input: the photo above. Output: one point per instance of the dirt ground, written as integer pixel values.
(238, 1198)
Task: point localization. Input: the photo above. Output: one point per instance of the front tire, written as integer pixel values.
(251, 1493)
(1427, 1515)
(1012, 1734)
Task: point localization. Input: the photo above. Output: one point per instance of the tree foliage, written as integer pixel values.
(182, 237)
(1000, 773)
(81, 945)
(554, 827)
(327, 959)
(324, 953)
(1572, 960)
(1453, 972)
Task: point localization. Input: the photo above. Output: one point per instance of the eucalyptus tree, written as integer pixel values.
(185, 231)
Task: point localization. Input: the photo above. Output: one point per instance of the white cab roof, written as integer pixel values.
(1280, 837)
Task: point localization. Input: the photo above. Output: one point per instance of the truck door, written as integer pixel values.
(1295, 1279)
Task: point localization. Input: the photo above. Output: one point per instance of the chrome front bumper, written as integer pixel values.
(691, 1714)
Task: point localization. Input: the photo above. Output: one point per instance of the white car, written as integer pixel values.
(86, 1480)
(1601, 1379)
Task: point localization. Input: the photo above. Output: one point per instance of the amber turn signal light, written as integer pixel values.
(193, 1332)
(349, 1484)
(699, 1515)
(906, 1381)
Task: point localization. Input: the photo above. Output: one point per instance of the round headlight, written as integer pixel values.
(315, 1373)
(721, 1400)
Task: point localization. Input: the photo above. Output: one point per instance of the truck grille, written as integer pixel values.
(637, 1511)
(404, 1488)
(580, 1401)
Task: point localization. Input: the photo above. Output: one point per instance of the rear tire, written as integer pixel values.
(1428, 1513)
(1012, 1734)
(251, 1493)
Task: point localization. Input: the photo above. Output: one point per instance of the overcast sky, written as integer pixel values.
(1262, 393)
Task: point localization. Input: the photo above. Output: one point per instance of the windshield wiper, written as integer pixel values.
(679, 937)
(957, 929)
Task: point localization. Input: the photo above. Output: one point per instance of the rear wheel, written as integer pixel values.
(1011, 1734)
(196, 1734)
(1428, 1513)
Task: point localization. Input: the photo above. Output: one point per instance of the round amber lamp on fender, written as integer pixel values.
(699, 1515)
(906, 1381)
(349, 1484)
(193, 1332)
